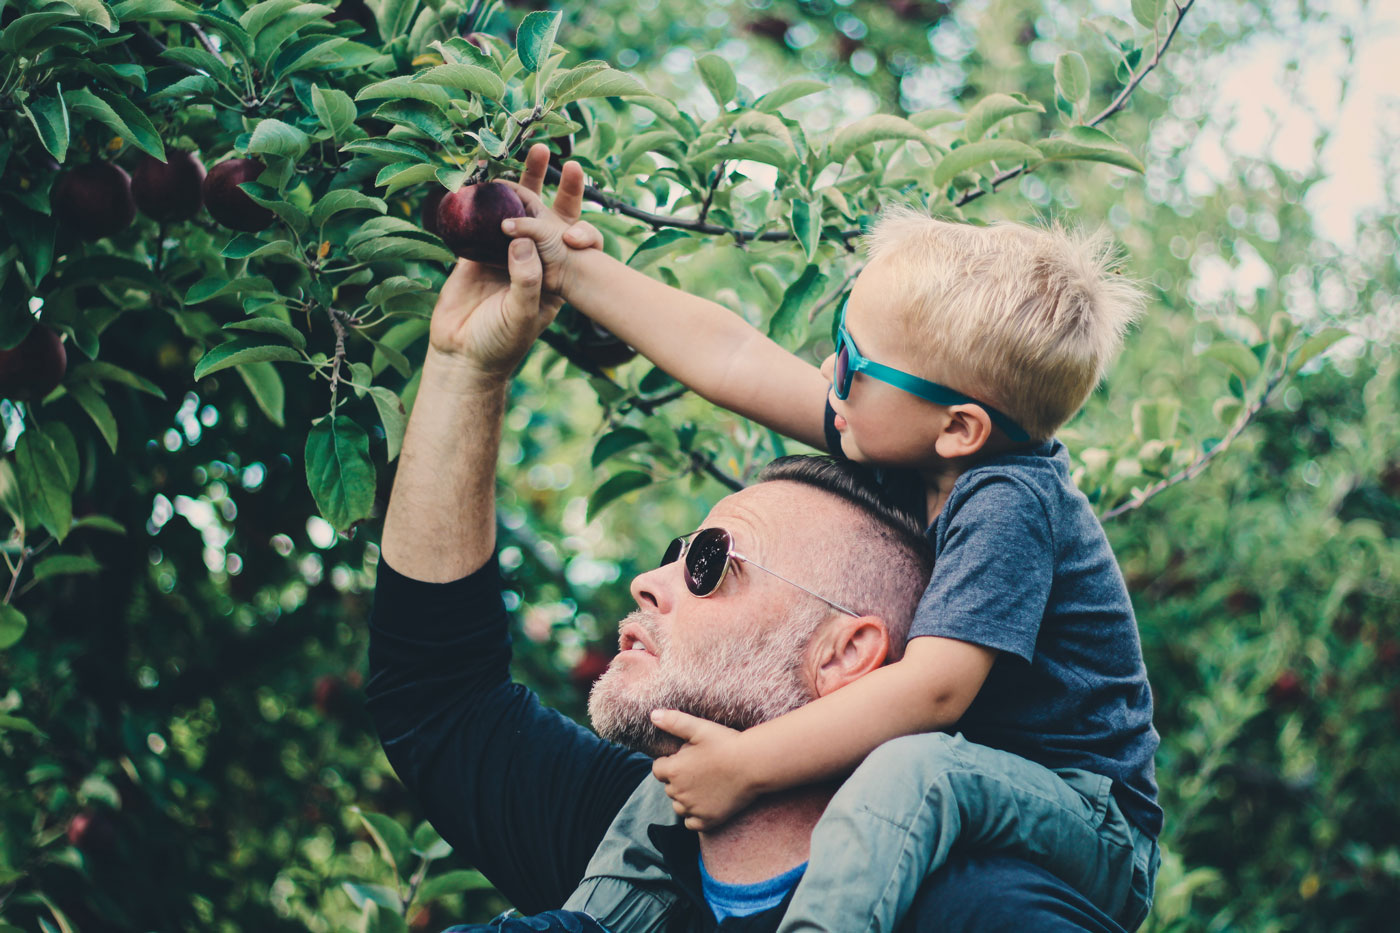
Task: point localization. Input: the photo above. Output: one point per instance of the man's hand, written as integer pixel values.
(706, 780)
(488, 316)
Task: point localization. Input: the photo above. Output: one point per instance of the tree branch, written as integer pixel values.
(1198, 465)
(1118, 104)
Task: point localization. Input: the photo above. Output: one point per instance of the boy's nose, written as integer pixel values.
(828, 367)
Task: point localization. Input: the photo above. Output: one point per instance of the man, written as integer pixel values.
(809, 591)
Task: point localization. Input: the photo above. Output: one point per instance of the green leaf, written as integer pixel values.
(1148, 12)
(271, 326)
(718, 77)
(258, 15)
(265, 385)
(994, 108)
(91, 401)
(1072, 77)
(19, 33)
(928, 119)
(341, 478)
(380, 894)
(618, 485)
(614, 442)
(384, 248)
(378, 919)
(65, 565)
(211, 287)
(609, 83)
(275, 138)
(873, 129)
(391, 151)
(1236, 356)
(428, 844)
(168, 11)
(401, 175)
(392, 415)
(110, 372)
(1156, 419)
(344, 199)
(787, 93)
(562, 82)
(394, 17)
(50, 118)
(43, 473)
(789, 322)
(644, 142)
(242, 350)
(334, 109)
(120, 115)
(465, 77)
(393, 287)
(401, 88)
(19, 724)
(452, 882)
(417, 115)
(805, 218)
(980, 153)
(1089, 144)
(12, 626)
(1314, 345)
(757, 150)
(99, 523)
(202, 59)
(534, 40)
(275, 35)
(655, 246)
(389, 837)
(308, 53)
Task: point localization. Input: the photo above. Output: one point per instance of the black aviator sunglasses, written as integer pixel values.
(708, 553)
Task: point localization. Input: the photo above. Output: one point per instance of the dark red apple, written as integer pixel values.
(92, 832)
(602, 348)
(34, 368)
(169, 190)
(469, 221)
(428, 216)
(229, 204)
(94, 200)
(1287, 689)
(770, 27)
(355, 11)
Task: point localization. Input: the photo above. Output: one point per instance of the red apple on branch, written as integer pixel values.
(469, 221)
(34, 368)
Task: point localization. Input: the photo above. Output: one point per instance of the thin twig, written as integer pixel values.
(704, 464)
(204, 39)
(840, 290)
(1118, 104)
(14, 578)
(338, 325)
(1203, 459)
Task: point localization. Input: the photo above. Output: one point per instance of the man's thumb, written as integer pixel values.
(526, 274)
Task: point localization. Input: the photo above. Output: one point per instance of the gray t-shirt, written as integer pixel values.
(1022, 565)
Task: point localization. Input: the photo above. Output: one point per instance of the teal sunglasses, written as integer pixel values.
(849, 362)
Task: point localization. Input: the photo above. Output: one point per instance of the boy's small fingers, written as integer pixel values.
(529, 197)
(536, 164)
(568, 201)
(583, 235)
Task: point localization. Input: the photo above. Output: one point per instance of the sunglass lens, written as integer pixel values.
(706, 560)
(673, 552)
(841, 372)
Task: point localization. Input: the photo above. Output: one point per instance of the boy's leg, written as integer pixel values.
(895, 820)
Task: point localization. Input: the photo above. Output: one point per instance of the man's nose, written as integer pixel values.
(655, 590)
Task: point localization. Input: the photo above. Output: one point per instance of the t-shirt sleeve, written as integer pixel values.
(522, 792)
(994, 570)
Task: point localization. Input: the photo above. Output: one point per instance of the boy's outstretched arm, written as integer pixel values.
(702, 344)
(719, 771)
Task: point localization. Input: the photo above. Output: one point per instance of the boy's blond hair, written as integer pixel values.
(1024, 318)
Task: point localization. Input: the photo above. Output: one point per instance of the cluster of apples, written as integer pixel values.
(100, 199)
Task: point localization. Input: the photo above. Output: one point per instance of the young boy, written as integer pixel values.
(962, 349)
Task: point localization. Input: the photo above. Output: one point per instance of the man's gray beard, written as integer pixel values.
(737, 682)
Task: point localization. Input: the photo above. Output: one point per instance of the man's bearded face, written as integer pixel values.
(735, 679)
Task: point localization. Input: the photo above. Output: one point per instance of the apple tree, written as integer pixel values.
(225, 224)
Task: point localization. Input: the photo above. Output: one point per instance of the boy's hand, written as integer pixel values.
(555, 232)
(706, 780)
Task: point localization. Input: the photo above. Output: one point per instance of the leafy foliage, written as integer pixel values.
(191, 509)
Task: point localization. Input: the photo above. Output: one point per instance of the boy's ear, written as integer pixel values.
(966, 432)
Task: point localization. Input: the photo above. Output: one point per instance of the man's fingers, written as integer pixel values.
(681, 725)
(568, 200)
(536, 164)
(526, 277)
(583, 235)
(531, 227)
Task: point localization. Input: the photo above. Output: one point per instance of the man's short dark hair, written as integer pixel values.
(895, 558)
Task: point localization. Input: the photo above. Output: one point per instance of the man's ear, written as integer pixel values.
(967, 431)
(847, 650)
